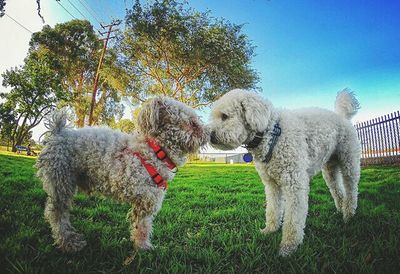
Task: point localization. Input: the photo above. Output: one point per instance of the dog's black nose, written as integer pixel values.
(213, 138)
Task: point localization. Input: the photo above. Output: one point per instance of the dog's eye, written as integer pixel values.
(194, 124)
(224, 116)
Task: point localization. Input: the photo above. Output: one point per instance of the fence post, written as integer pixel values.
(367, 139)
(389, 140)
(397, 135)
(373, 139)
(392, 136)
(363, 141)
(378, 137)
(370, 139)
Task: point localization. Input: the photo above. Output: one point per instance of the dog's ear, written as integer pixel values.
(149, 115)
(257, 112)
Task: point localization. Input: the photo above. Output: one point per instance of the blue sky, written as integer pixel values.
(305, 50)
(308, 50)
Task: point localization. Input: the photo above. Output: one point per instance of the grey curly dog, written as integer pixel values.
(132, 168)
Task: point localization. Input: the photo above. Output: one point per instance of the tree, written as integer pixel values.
(35, 90)
(73, 48)
(7, 120)
(172, 50)
(125, 125)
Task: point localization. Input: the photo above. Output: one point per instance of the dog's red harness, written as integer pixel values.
(162, 156)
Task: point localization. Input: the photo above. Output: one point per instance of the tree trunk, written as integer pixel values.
(13, 149)
(18, 142)
(80, 122)
(18, 138)
(79, 108)
(80, 115)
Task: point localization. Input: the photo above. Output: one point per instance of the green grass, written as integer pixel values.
(209, 223)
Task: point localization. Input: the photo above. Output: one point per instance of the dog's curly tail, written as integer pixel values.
(346, 104)
(56, 121)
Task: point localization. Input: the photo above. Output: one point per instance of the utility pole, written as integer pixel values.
(96, 79)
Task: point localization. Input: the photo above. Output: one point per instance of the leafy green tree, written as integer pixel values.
(170, 49)
(125, 125)
(74, 48)
(35, 90)
(7, 120)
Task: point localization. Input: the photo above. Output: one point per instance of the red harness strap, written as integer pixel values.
(157, 179)
(162, 156)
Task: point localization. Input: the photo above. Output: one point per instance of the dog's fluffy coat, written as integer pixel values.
(311, 140)
(101, 160)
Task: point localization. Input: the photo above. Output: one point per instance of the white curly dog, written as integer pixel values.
(289, 147)
(132, 168)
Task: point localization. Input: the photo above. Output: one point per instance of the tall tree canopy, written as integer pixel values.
(74, 50)
(170, 49)
(35, 90)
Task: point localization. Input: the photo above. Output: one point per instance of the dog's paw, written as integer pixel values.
(347, 217)
(73, 243)
(287, 249)
(348, 214)
(145, 246)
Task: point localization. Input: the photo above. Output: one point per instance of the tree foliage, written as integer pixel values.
(35, 90)
(124, 125)
(7, 121)
(74, 50)
(170, 49)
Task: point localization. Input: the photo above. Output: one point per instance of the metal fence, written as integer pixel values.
(218, 157)
(380, 140)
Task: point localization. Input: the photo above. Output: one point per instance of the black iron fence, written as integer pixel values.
(380, 140)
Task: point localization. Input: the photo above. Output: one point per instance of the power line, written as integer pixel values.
(72, 4)
(58, 1)
(22, 26)
(77, 9)
(88, 8)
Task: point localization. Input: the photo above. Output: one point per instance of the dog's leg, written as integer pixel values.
(295, 193)
(60, 187)
(333, 178)
(273, 213)
(141, 217)
(57, 214)
(351, 177)
(141, 232)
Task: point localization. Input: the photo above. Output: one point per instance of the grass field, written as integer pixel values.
(209, 223)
